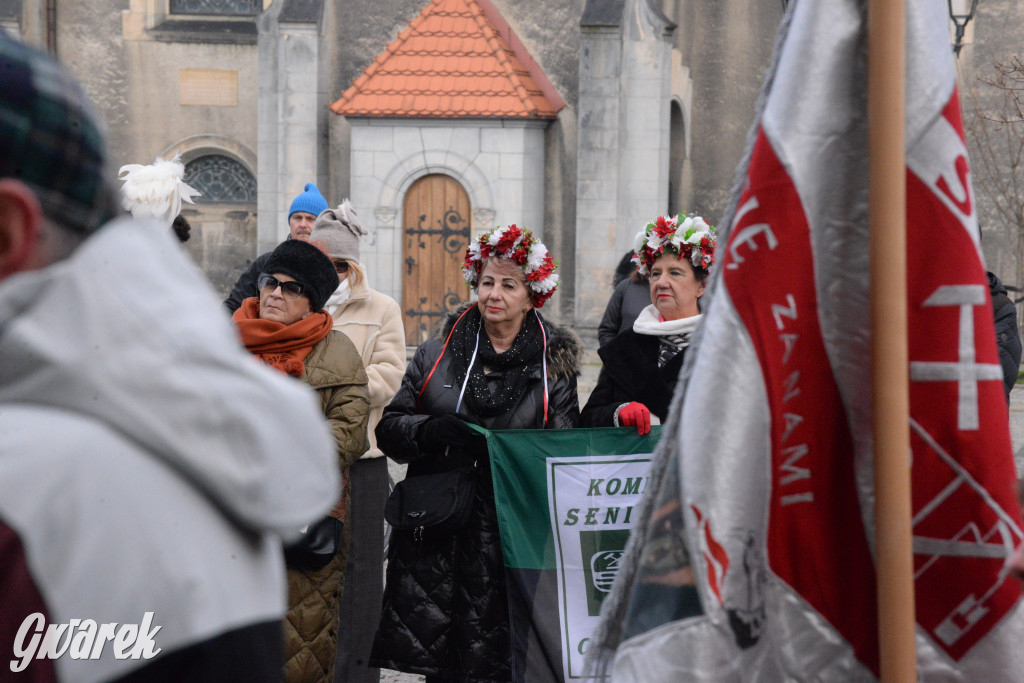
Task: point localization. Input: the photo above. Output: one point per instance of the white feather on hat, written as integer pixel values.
(348, 216)
(155, 191)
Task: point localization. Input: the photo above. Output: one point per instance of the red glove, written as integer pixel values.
(635, 415)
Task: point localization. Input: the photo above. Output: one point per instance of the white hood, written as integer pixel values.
(129, 333)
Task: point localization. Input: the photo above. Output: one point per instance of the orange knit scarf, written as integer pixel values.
(282, 346)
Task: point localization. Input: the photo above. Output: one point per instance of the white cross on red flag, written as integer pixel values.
(966, 518)
(774, 445)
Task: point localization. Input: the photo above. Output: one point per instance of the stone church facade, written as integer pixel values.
(580, 119)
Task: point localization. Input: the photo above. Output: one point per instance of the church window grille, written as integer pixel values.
(221, 179)
(233, 8)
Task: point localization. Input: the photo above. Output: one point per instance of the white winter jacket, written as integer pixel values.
(148, 463)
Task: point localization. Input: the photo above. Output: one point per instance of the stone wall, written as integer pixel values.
(166, 88)
(622, 163)
(291, 95)
(726, 46)
(499, 164)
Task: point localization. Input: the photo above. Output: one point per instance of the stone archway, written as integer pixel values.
(223, 218)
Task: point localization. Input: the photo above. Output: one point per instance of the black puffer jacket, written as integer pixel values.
(625, 304)
(445, 609)
(1007, 337)
(245, 285)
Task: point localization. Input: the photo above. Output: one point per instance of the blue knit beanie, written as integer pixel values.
(310, 201)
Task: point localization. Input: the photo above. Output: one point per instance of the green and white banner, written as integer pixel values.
(566, 501)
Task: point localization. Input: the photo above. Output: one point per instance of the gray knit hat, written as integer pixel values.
(339, 231)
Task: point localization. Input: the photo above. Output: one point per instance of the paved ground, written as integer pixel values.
(1017, 426)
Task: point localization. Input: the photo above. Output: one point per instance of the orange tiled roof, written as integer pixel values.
(450, 62)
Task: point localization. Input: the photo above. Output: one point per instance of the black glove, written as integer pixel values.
(449, 432)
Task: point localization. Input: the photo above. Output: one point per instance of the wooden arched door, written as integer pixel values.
(434, 240)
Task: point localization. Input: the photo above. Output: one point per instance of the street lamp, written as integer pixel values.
(960, 12)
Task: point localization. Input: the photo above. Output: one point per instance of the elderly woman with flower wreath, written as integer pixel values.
(641, 365)
(496, 363)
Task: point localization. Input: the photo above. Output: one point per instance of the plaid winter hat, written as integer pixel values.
(50, 139)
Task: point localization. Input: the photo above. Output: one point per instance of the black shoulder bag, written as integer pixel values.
(434, 504)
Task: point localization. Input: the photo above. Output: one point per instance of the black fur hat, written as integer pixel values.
(309, 266)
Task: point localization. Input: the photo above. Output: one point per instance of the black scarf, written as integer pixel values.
(511, 369)
(670, 346)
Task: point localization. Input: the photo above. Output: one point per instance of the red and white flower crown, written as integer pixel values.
(520, 246)
(688, 237)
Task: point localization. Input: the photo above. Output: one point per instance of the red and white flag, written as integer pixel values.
(774, 448)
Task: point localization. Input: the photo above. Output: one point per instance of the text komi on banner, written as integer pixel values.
(566, 501)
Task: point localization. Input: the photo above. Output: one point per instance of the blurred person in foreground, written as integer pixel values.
(145, 486)
(302, 214)
(641, 364)
(373, 321)
(287, 328)
(446, 612)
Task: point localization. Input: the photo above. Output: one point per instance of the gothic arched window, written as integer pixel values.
(221, 179)
(233, 8)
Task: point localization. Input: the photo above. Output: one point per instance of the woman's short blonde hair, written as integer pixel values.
(356, 274)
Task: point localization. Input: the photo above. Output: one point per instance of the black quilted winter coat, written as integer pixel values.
(445, 609)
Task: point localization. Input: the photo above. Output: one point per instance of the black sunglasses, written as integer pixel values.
(340, 266)
(290, 290)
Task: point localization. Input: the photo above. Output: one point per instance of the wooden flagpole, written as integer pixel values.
(889, 361)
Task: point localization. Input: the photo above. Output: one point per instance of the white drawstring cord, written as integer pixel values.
(466, 381)
(543, 363)
(472, 360)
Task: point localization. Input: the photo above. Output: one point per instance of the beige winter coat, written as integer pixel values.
(373, 321)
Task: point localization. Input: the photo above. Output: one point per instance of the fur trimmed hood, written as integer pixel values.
(564, 350)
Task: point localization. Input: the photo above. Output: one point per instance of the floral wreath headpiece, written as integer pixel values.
(689, 237)
(520, 246)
